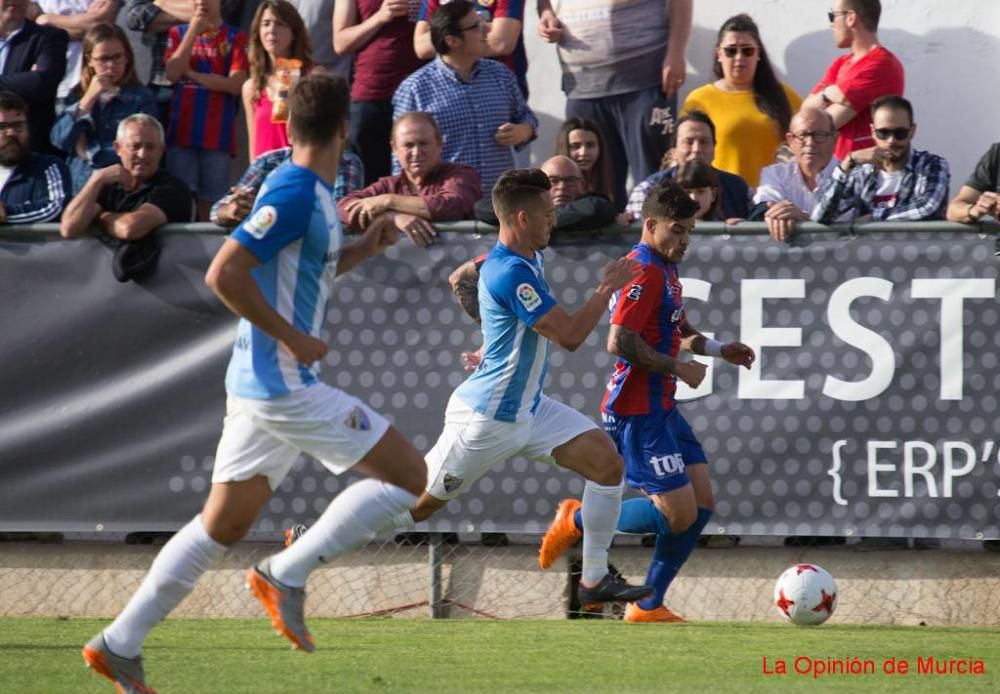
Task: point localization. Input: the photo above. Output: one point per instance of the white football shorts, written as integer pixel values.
(472, 443)
(266, 437)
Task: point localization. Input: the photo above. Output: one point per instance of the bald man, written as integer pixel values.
(787, 191)
(576, 210)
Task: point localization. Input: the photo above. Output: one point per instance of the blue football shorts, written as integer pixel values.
(657, 449)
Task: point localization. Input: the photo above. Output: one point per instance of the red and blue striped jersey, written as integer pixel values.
(653, 307)
(201, 117)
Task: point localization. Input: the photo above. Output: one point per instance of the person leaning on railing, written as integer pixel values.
(129, 201)
(232, 208)
(980, 195)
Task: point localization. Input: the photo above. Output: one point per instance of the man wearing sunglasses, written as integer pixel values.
(890, 181)
(854, 80)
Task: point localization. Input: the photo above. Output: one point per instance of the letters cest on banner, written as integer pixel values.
(872, 408)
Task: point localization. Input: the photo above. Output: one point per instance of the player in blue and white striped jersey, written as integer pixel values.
(276, 272)
(500, 411)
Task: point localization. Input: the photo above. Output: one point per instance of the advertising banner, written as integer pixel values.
(872, 408)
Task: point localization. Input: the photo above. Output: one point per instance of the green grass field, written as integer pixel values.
(383, 655)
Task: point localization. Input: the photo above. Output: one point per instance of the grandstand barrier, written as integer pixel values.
(871, 411)
(112, 412)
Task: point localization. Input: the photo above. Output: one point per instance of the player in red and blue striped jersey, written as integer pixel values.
(662, 456)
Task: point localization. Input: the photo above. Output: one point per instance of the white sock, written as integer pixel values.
(172, 576)
(601, 506)
(357, 515)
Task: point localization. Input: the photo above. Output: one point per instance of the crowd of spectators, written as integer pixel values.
(439, 95)
(439, 108)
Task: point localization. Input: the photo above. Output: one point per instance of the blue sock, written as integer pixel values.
(669, 556)
(637, 516)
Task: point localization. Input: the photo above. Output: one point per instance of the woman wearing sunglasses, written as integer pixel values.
(751, 109)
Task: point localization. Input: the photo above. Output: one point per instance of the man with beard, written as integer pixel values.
(33, 187)
(890, 181)
(129, 200)
(32, 63)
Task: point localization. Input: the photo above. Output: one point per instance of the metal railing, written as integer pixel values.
(985, 228)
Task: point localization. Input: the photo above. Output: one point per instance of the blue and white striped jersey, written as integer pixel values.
(513, 295)
(294, 231)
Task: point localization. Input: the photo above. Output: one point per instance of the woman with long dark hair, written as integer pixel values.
(581, 140)
(751, 109)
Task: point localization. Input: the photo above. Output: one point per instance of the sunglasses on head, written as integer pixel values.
(896, 133)
(745, 51)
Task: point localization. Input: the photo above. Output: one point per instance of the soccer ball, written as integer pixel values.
(806, 594)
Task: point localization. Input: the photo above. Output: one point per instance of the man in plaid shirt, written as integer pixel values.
(890, 181)
(476, 102)
(233, 208)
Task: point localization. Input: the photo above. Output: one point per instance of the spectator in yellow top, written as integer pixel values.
(751, 109)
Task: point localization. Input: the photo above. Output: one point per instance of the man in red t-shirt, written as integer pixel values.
(854, 80)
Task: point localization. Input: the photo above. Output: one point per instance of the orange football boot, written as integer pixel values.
(660, 615)
(561, 535)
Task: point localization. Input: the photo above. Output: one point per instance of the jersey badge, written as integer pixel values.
(451, 483)
(358, 420)
(528, 297)
(261, 221)
(634, 292)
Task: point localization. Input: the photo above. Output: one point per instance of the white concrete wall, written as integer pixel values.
(950, 50)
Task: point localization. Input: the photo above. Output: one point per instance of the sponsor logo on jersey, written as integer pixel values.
(261, 221)
(358, 420)
(451, 483)
(528, 297)
(634, 292)
(675, 317)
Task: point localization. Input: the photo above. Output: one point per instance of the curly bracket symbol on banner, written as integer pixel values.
(834, 472)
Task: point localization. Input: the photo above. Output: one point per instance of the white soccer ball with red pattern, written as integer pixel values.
(806, 594)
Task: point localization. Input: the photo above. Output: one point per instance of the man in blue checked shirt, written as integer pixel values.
(233, 208)
(477, 102)
(890, 182)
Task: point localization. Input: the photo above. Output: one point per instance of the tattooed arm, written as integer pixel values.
(464, 283)
(627, 344)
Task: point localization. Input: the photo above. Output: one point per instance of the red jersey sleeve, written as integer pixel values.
(240, 59)
(639, 299)
(173, 42)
